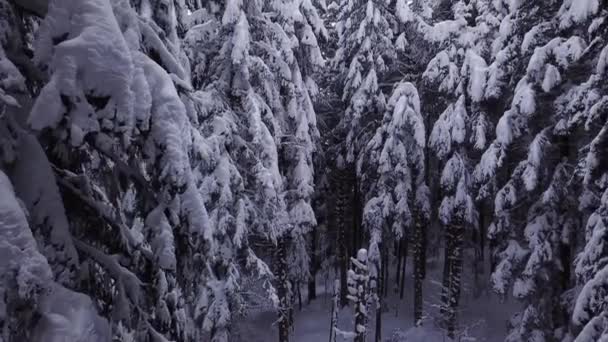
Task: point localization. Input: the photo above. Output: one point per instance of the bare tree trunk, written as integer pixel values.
(447, 269)
(454, 283)
(282, 286)
(399, 266)
(312, 285)
(404, 253)
(357, 237)
(382, 279)
(478, 269)
(342, 197)
(386, 274)
(419, 261)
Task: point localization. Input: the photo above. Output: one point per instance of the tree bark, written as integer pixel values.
(419, 262)
(404, 264)
(454, 278)
(282, 287)
(312, 285)
(399, 267)
(333, 325)
(343, 257)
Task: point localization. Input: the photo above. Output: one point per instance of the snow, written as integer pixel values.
(577, 11)
(34, 182)
(65, 315)
(481, 321)
(602, 63)
(69, 316)
(535, 155)
(591, 300)
(362, 255)
(19, 254)
(450, 129)
(94, 50)
(240, 43)
(552, 78)
(475, 69)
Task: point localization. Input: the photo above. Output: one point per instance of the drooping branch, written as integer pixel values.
(103, 144)
(105, 214)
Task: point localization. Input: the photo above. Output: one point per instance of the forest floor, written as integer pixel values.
(482, 316)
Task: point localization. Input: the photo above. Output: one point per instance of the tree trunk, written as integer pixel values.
(334, 312)
(404, 253)
(342, 197)
(312, 285)
(357, 236)
(386, 274)
(282, 287)
(377, 295)
(419, 261)
(379, 321)
(447, 269)
(399, 267)
(455, 282)
(423, 253)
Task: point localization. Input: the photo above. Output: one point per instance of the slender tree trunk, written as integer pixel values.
(333, 325)
(404, 253)
(423, 253)
(282, 287)
(447, 268)
(386, 273)
(356, 238)
(560, 314)
(399, 267)
(299, 289)
(454, 279)
(379, 321)
(342, 197)
(419, 261)
(376, 294)
(312, 285)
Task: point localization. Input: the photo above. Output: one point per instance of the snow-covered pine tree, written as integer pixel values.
(261, 65)
(586, 110)
(363, 56)
(33, 306)
(358, 292)
(301, 22)
(543, 181)
(459, 72)
(112, 129)
(365, 53)
(399, 199)
(235, 102)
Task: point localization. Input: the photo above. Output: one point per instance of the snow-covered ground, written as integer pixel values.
(481, 318)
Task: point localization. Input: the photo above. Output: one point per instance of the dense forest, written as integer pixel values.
(239, 170)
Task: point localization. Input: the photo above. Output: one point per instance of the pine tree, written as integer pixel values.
(542, 180)
(358, 292)
(449, 140)
(113, 129)
(364, 54)
(399, 199)
(270, 75)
